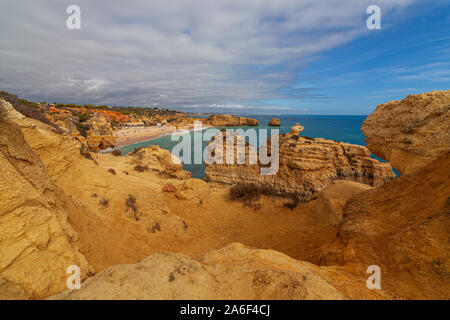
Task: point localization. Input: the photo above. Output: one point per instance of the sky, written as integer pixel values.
(236, 56)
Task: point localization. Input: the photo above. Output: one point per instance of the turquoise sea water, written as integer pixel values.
(341, 128)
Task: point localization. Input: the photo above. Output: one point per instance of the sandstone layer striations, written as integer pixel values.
(37, 244)
(306, 165)
(412, 132)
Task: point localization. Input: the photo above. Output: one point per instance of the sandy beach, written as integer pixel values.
(131, 135)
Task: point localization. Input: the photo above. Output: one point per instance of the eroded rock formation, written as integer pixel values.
(37, 244)
(275, 122)
(412, 132)
(159, 160)
(98, 143)
(223, 120)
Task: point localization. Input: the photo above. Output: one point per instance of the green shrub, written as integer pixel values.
(84, 117)
(83, 129)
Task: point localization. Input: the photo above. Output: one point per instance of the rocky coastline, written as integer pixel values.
(140, 227)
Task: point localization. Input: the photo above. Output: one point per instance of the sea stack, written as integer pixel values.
(296, 129)
(275, 122)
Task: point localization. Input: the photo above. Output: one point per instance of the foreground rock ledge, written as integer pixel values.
(234, 272)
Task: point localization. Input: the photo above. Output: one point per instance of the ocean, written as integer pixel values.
(341, 128)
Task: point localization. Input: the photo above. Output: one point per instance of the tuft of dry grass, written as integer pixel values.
(296, 199)
(245, 192)
(248, 193)
(130, 202)
(140, 168)
(251, 191)
(104, 202)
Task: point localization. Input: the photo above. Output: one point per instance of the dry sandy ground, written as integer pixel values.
(206, 220)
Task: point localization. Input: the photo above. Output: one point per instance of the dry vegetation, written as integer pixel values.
(140, 168)
(249, 192)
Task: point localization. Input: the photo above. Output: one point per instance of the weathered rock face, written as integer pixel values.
(37, 244)
(234, 272)
(306, 165)
(66, 124)
(99, 143)
(402, 227)
(412, 132)
(229, 120)
(159, 160)
(275, 122)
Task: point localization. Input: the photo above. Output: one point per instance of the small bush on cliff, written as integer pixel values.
(293, 203)
(249, 191)
(104, 202)
(85, 153)
(154, 228)
(140, 168)
(243, 191)
(130, 202)
(296, 198)
(112, 171)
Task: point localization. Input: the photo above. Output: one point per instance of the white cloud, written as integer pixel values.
(174, 53)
